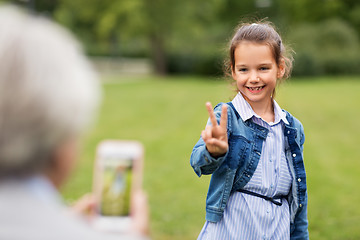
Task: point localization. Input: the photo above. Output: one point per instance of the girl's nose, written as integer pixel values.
(254, 78)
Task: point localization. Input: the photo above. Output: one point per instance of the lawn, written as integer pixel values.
(167, 115)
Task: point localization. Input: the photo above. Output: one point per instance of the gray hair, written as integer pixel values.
(48, 90)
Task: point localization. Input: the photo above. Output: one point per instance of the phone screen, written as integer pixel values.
(116, 186)
(117, 175)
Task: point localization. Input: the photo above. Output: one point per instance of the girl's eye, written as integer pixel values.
(242, 69)
(264, 68)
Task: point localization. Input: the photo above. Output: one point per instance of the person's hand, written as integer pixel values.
(215, 135)
(140, 213)
(85, 206)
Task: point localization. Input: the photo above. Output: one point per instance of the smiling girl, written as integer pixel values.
(253, 148)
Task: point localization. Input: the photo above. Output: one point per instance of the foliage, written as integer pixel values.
(328, 47)
(195, 64)
(104, 22)
(167, 30)
(167, 116)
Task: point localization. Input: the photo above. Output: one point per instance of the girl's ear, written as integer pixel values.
(281, 68)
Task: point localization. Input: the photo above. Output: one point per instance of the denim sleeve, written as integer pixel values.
(201, 160)
(299, 230)
(302, 137)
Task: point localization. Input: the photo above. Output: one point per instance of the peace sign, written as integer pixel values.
(215, 135)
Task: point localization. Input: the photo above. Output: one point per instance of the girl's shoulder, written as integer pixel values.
(232, 113)
(293, 121)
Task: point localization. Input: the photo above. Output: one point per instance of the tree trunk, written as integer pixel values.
(158, 54)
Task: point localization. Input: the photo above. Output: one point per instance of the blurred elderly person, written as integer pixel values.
(48, 96)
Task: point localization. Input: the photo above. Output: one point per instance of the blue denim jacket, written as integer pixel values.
(235, 169)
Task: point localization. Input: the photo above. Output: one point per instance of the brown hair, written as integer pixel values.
(262, 32)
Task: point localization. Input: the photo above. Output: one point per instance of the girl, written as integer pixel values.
(255, 152)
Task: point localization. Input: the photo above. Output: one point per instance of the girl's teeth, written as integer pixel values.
(255, 88)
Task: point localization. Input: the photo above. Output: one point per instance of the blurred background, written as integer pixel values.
(161, 60)
(190, 37)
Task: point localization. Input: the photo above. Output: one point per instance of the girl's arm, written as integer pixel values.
(211, 149)
(299, 230)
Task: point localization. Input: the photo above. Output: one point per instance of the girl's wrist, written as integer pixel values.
(216, 154)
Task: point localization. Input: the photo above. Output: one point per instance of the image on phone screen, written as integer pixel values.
(116, 189)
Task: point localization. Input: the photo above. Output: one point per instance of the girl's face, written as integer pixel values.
(256, 72)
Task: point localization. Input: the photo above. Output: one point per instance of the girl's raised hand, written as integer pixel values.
(215, 135)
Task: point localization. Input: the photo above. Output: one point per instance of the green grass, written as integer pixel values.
(167, 115)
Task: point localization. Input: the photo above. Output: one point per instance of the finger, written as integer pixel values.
(223, 119)
(203, 135)
(222, 146)
(85, 205)
(141, 212)
(206, 134)
(211, 114)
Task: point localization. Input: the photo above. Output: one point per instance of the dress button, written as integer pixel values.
(294, 155)
(288, 132)
(300, 205)
(299, 179)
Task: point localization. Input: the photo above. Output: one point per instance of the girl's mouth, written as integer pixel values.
(255, 89)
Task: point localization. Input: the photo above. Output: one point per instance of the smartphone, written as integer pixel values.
(117, 175)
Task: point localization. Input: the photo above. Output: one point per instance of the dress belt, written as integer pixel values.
(271, 199)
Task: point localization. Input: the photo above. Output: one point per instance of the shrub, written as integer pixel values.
(195, 63)
(328, 47)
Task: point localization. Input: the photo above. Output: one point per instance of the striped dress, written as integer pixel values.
(249, 217)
